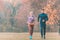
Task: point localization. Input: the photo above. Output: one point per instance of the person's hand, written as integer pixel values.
(28, 23)
(43, 20)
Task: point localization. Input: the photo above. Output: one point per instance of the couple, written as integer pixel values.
(42, 18)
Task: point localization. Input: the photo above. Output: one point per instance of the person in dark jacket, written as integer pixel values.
(42, 18)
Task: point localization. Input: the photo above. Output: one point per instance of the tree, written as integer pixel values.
(13, 11)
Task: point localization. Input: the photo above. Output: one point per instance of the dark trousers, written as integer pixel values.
(43, 31)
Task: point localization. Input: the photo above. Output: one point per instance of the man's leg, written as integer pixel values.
(44, 32)
(41, 28)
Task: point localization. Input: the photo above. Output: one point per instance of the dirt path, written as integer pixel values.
(25, 36)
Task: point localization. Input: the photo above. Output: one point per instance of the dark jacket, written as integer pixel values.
(41, 17)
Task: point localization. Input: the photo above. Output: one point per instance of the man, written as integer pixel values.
(42, 18)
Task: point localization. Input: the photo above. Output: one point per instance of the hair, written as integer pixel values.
(30, 13)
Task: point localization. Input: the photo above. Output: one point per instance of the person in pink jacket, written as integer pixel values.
(30, 22)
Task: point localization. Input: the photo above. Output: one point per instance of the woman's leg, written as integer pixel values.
(32, 27)
(30, 31)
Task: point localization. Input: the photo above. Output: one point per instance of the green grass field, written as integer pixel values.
(25, 36)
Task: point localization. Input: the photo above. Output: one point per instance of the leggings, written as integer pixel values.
(30, 28)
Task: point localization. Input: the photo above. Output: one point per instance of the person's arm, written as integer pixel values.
(46, 19)
(38, 17)
(33, 20)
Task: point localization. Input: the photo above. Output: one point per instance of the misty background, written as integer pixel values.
(13, 14)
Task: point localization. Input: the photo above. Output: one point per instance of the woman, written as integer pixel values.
(30, 24)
